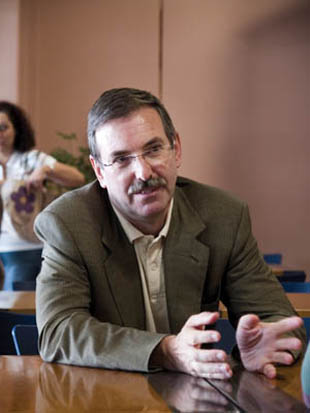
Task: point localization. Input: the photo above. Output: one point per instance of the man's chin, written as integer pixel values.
(151, 209)
(156, 199)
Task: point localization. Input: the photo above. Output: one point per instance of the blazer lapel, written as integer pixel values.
(124, 278)
(122, 271)
(186, 261)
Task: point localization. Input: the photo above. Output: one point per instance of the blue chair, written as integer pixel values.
(25, 338)
(292, 276)
(24, 285)
(296, 287)
(228, 340)
(273, 259)
(8, 320)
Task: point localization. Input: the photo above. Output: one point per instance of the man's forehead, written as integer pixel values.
(145, 112)
(144, 123)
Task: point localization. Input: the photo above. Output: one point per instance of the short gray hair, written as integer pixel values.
(120, 103)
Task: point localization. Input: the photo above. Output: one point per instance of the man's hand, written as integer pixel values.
(261, 345)
(184, 353)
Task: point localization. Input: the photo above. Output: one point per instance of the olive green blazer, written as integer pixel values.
(90, 308)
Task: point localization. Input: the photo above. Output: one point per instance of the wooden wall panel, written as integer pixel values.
(73, 50)
(236, 78)
(9, 13)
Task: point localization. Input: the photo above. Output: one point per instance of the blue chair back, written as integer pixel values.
(25, 338)
(24, 285)
(296, 287)
(275, 259)
(292, 276)
(8, 320)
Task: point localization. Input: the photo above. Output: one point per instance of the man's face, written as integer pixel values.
(139, 132)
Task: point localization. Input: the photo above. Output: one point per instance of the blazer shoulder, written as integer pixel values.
(206, 197)
(88, 195)
(85, 205)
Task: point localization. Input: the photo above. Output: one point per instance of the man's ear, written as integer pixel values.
(98, 171)
(178, 150)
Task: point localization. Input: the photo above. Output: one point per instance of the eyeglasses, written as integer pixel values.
(155, 155)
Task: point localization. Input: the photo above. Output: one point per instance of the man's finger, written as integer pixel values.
(201, 319)
(289, 343)
(198, 337)
(283, 357)
(269, 371)
(247, 322)
(208, 356)
(287, 324)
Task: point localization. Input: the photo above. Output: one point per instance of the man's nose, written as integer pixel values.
(141, 167)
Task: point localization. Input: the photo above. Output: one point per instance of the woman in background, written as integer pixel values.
(19, 160)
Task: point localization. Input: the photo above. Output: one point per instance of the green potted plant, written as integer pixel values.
(79, 157)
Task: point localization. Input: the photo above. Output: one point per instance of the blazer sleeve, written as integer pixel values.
(68, 332)
(250, 286)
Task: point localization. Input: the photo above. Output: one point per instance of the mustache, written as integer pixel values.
(140, 185)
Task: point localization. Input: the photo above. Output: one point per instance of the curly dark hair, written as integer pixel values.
(119, 103)
(24, 133)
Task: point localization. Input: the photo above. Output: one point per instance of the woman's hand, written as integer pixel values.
(36, 179)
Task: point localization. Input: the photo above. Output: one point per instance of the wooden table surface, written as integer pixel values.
(255, 393)
(18, 301)
(27, 384)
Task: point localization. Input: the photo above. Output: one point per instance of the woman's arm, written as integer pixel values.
(60, 173)
(66, 175)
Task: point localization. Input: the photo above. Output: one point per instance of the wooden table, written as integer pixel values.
(255, 393)
(24, 302)
(27, 384)
(300, 301)
(18, 301)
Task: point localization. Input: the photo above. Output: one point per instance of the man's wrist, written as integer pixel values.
(159, 356)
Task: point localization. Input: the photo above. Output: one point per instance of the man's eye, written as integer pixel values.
(154, 150)
(121, 160)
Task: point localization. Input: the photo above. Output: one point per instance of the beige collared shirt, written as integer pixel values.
(149, 255)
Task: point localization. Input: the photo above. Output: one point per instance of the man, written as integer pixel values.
(135, 263)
